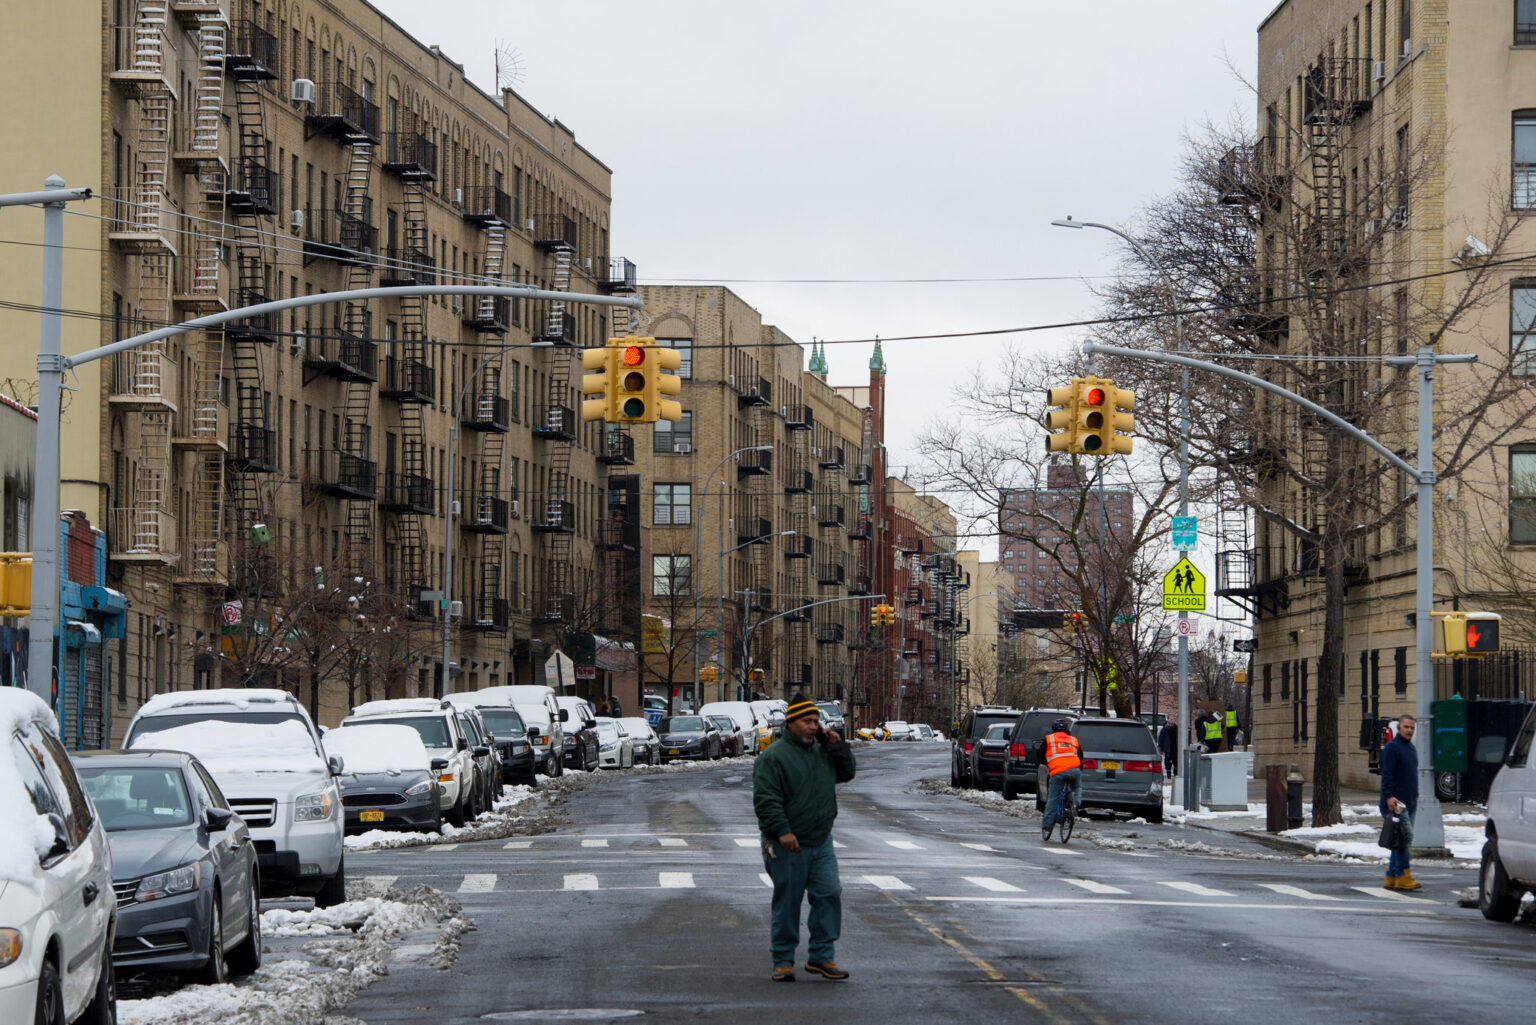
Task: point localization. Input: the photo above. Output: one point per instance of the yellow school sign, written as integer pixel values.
(1184, 588)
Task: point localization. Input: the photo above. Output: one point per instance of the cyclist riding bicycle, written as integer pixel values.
(1062, 756)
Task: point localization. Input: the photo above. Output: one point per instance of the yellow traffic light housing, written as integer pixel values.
(600, 383)
(1122, 425)
(890, 615)
(632, 381)
(15, 583)
(1093, 417)
(1467, 634)
(1062, 423)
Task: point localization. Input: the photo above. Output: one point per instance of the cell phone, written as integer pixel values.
(821, 735)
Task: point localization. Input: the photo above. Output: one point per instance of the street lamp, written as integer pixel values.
(1191, 792)
(746, 609)
(698, 543)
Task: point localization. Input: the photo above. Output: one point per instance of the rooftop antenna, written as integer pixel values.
(509, 67)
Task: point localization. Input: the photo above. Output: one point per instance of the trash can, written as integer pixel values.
(1293, 800)
(1224, 785)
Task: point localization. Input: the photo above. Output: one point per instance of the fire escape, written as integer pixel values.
(487, 412)
(755, 528)
(555, 422)
(799, 484)
(146, 224)
(620, 531)
(861, 574)
(249, 197)
(831, 570)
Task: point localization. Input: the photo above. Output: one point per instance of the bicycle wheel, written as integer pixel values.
(1068, 818)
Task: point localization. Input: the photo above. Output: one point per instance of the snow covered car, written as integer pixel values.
(390, 781)
(1509, 852)
(57, 915)
(183, 866)
(581, 743)
(642, 737)
(265, 754)
(508, 733)
(438, 727)
(614, 748)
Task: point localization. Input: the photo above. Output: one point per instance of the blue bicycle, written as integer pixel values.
(1066, 815)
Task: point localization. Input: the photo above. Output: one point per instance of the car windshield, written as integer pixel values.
(138, 797)
(829, 710)
(607, 729)
(723, 723)
(997, 731)
(681, 724)
(432, 729)
(985, 722)
(504, 723)
(1131, 738)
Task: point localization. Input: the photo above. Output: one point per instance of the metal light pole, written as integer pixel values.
(746, 610)
(1190, 786)
(698, 544)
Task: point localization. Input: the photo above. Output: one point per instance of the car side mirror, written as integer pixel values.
(463, 744)
(217, 819)
(335, 764)
(438, 764)
(60, 846)
(565, 715)
(534, 732)
(482, 751)
(590, 724)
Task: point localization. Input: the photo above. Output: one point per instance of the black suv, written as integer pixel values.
(1028, 731)
(972, 726)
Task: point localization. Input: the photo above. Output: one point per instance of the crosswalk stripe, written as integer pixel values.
(598, 842)
(747, 841)
(838, 843)
(766, 878)
(981, 847)
(581, 881)
(886, 882)
(1371, 891)
(517, 845)
(1195, 888)
(1296, 891)
(672, 841)
(905, 845)
(444, 846)
(382, 882)
(995, 885)
(478, 882)
(1093, 887)
(675, 880)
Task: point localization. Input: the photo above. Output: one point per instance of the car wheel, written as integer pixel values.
(954, 775)
(1155, 815)
(334, 890)
(1010, 792)
(216, 971)
(456, 813)
(246, 958)
(1496, 899)
(1446, 786)
(50, 998)
(102, 1010)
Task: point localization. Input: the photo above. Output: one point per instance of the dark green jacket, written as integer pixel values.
(792, 788)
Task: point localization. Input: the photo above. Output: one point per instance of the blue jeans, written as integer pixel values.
(1053, 794)
(809, 872)
(1397, 862)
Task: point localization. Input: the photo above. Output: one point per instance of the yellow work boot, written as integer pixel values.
(1407, 882)
(1389, 883)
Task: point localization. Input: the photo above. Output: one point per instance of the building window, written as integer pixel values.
(1405, 24)
(1522, 326)
(671, 574)
(1400, 672)
(672, 505)
(673, 437)
(1522, 193)
(685, 347)
(1268, 683)
(1525, 22)
(1522, 494)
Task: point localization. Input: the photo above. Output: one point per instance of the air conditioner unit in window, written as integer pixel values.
(1408, 47)
(682, 448)
(456, 609)
(517, 511)
(1379, 72)
(731, 381)
(303, 91)
(458, 304)
(458, 197)
(530, 224)
(296, 220)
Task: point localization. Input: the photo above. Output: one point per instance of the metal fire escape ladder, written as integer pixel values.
(487, 608)
(797, 673)
(358, 410)
(558, 427)
(763, 502)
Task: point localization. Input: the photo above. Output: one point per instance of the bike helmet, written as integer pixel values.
(1061, 725)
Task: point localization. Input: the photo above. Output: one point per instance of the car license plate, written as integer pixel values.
(672, 750)
(1110, 766)
(371, 815)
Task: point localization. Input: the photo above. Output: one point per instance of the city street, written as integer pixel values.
(651, 898)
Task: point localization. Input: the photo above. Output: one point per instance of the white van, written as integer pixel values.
(753, 729)
(540, 712)
(1509, 853)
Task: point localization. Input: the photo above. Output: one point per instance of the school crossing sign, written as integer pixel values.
(1184, 588)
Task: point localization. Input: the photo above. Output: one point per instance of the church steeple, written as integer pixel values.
(877, 358)
(818, 359)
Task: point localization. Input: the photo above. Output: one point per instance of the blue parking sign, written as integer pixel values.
(1184, 532)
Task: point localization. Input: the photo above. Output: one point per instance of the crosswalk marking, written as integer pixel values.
(1093, 887)
(581, 881)
(675, 880)
(1372, 891)
(1195, 888)
(747, 841)
(981, 847)
(478, 882)
(838, 843)
(598, 842)
(905, 845)
(886, 882)
(517, 845)
(382, 882)
(766, 878)
(672, 841)
(1296, 891)
(444, 846)
(995, 885)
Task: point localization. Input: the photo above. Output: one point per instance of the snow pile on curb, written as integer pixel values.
(494, 823)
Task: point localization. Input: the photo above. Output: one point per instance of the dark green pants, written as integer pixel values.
(810, 872)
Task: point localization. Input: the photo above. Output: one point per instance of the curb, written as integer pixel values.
(1260, 837)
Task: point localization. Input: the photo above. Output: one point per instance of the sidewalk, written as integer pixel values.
(1355, 837)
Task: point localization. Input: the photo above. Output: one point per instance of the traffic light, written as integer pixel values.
(1073, 622)
(15, 583)
(707, 674)
(632, 381)
(890, 615)
(600, 383)
(1094, 415)
(1062, 423)
(1468, 633)
(877, 615)
(1122, 425)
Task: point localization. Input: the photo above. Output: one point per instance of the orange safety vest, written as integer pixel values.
(1062, 753)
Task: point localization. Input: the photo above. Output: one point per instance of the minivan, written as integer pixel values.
(1509, 853)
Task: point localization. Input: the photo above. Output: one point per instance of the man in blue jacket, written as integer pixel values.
(1400, 797)
(793, 796)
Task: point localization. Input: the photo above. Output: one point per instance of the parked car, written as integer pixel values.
(1509, 850)
(1028, 730)
(56, 898)
(988, 755)
(183, 866)
(655, 709)
(1122, 767)
(544, 721)
(742, 714)
(972, 725)
(770, 720)
(732, 741)
(261, 748)
(921, 731)
(895, 729)
(581, 743)
(508, 733)
(390, 779)
(832, 716)
(615, 751)
(688, 736)
(487, 765)
(643, 739)
(438, 727)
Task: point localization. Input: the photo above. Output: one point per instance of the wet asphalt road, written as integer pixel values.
(648, 904)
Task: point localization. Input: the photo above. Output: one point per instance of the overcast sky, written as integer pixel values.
(784, 148)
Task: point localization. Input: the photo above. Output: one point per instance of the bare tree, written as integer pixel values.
(673, 601)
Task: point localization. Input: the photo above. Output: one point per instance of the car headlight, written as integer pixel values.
(608, 747)
(425, 786)
(314, 807)
(518, 749)
(166, 884)
(10, 946)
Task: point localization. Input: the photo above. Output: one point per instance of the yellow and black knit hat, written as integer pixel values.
(801, 707)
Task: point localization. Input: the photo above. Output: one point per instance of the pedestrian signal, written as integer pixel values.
(15, 583)
(1464, 634)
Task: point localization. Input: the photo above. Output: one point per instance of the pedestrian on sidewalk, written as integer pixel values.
(1168, 744)
(794, 796)
(1400, 796)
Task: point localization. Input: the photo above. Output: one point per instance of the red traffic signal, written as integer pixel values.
(1482, 634)
(634, 355)
(1094, 396)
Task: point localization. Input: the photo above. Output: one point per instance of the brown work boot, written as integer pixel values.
(827, 970)
(784, 973)
(1389, 883)
(1407, 882)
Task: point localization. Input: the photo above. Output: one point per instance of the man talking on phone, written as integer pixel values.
(793, 794)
